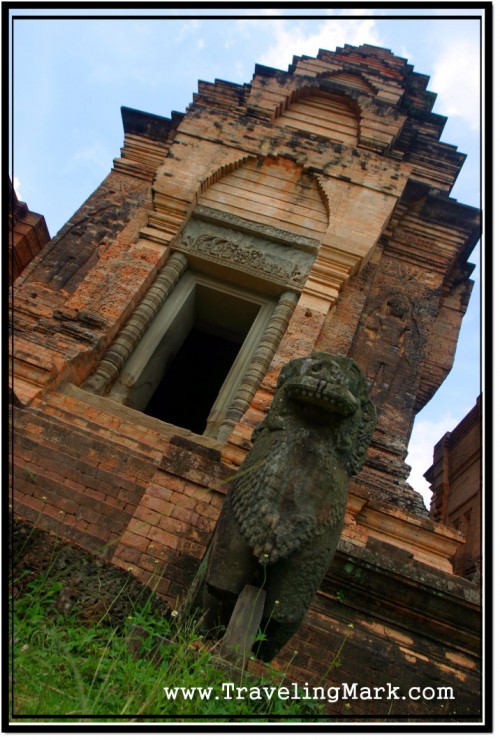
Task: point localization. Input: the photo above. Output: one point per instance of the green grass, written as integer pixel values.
(74, 669)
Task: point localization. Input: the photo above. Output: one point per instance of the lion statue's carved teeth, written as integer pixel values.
(283, 517)
(321, 393)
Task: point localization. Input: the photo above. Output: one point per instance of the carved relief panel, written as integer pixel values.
(246, 252)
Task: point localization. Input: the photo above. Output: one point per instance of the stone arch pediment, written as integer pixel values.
(332, 115)
(336, 109)
(265, 190)
(273, 192)
(352, 80)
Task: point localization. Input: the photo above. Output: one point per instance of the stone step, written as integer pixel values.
(64, 499)
(78, 449)
(80, 416)
(74, 482)
(132, 425)
(84, 467)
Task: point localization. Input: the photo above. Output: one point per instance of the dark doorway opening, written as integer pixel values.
(193, 380)
(186, 369)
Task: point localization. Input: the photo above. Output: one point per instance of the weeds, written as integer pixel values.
(66, 668)
(336, 662)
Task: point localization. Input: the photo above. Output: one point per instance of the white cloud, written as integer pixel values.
(289, 38)
(95, 154)
(425, 435)
(456, 80)
(352, 11)
(17, 187)
(187, 29)
(405, 53)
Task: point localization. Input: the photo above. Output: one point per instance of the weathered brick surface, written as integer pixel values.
(99, 222)
(56, 473)
(392, 635)
(455, 478)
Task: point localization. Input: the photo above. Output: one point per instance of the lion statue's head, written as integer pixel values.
(336, 387)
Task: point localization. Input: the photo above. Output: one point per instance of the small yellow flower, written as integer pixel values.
(174, 613)
(351, 626)
(276, 603)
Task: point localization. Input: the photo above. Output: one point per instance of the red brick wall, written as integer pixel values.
(96, 485)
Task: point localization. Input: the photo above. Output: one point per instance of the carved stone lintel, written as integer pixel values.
(251, 260)
(115, 358)
(269, 233)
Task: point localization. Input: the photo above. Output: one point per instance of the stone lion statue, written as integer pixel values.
(282, 519)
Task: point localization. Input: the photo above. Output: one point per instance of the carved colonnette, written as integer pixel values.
(116, 356)
(260, 362)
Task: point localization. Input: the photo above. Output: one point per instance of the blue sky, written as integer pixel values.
(71, 76)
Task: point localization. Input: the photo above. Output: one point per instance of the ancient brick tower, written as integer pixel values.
(306, 210)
